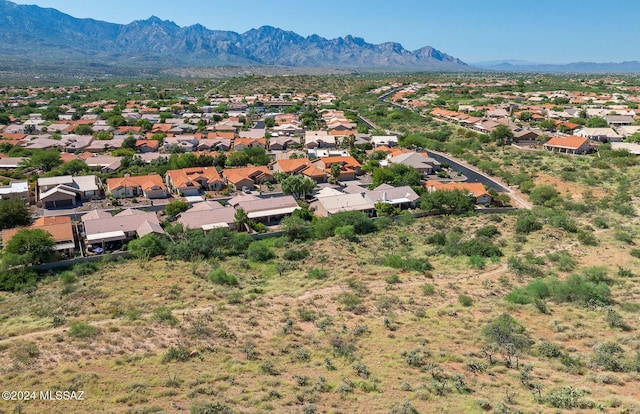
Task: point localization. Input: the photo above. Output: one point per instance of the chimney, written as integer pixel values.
(384, 196)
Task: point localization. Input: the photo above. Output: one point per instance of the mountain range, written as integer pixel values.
(32, 33)
(511, 65)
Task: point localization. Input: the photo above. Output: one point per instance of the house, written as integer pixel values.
(419, 161)
(59, 227)
(568, 145)
(282, 143)
(147, 145)
(348, 166)
(628, 130)
(247, 177)
(67, 191)
(8, 163)
(191, 181)
(149, 186)
(253, 133)
(302, 166)
(319, 139)
(208, 215)
(220, 144)
(401, 197)
(15, 190)
(332, 204)
(266, 209)
(126, 225)
(106, 163)
(619, 120)
(477, 190)
(240, 143)
(386, 140)
(520, 135)
(185, 143)
(600, 134)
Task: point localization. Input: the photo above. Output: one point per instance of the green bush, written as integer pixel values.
(488, 231)
(549, 350)
(428, 289)
(164, 314)
(210, 408)
(317, 273)
(543, 194)
(179, 354)
(296, 255)
(465, 300)
(410, 263)
(83, 269)
(82, 330)
(259, 251)
(393, 279)
(220, 277)
(347, 232)
(527, 223)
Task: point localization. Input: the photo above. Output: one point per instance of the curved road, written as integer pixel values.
(472, 174)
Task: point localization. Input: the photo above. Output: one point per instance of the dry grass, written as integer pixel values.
(229, 333)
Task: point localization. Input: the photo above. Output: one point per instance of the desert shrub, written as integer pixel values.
(438, 238)
(164, 315)
(527, 223)
(563, 260)
(179, 354)
(220, 277)
(83, 269)
(410, 263)
(536, 289)
(210, 408)
(543, 194)
(393, 279)
(417, 358)
(479, 247)
(567, 398)
(259, 251)
(488, 231)
(350, 301)
(465, 300)
(587, 238)
(428, 289)
(609, 356)
(635, 253)
(601, 222)
(317, 273)
(624, 237)
(477, 262)
(346, 232)
(296, 254)
(549, 350)
(82, 330)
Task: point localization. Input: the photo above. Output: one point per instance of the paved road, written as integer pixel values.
(473, 175)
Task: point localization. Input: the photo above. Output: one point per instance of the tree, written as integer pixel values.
(150, 245)
(70, 168)
(597, 122)
(448, 202)
(129, 142)
(335, 172)
(13, 213)
(396, 175)
(507, 335)
(173, 209)
(269, 122)
(525, 116)
(547, 124)
(296, 228)
(83, 130)
(44, 160)
(502, 135)
(241, 219)
(298, 185)
(34, 244)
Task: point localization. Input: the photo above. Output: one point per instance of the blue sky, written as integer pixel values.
(546, 31)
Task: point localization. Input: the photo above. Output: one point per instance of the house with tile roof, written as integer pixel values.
(302, 166)
(149, 186)
(349, 166)
(192, 181)
(247, 177)
(477, 190)
(60, 228)
(568, 145)
(419, 161)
